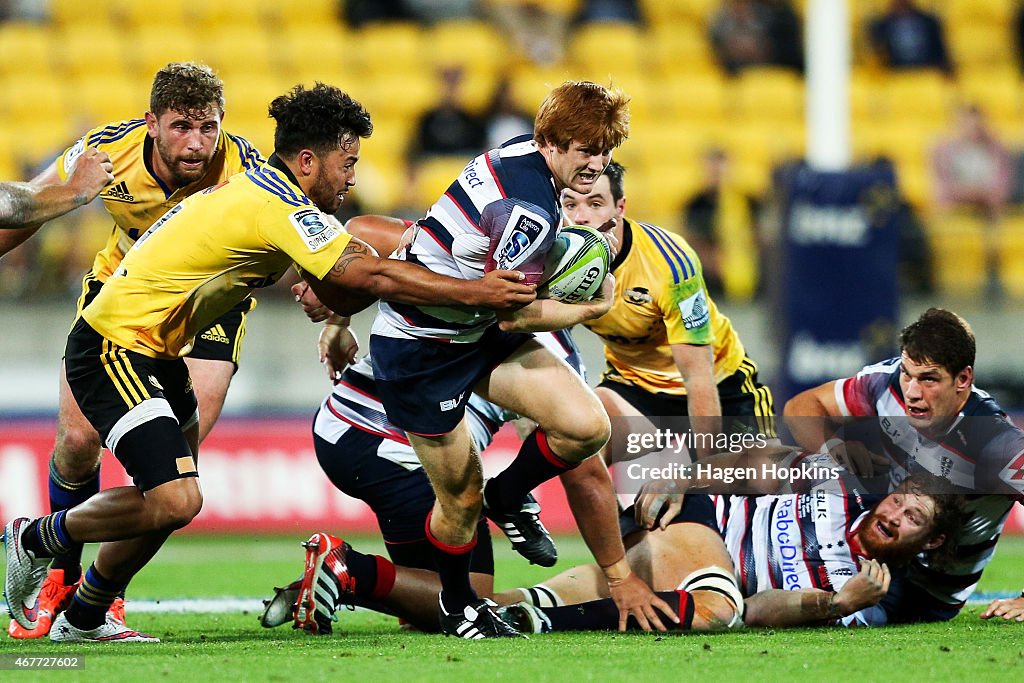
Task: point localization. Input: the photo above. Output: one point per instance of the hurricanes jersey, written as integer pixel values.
(660, 300)
(207, 254)
(137, 198)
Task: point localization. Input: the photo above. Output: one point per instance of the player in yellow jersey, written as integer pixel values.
(670, 352)
(124, 354)
(177, 149)
(23, 206)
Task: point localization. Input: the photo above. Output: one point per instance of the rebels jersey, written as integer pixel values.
(981, 451)
(660, 300)
(354, 405)
(137, 198)
(207, 254)
(797, 541)
(501, 213)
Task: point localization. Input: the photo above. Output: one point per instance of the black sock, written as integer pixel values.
(65, 495)
(599, 615)
(534, 465)
(453, 568)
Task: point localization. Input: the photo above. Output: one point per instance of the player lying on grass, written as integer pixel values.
(124, 355)
(821, 555)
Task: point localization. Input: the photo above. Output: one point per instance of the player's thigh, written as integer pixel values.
(665, 557)
(536, 384)
(78, 449)
(210, 381)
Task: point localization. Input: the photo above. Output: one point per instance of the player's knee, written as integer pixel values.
(579, 439)
(718, 601)
(76, 453)
(465, 505)
(175, 512)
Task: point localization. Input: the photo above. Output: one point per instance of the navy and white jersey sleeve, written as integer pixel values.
(501, 212)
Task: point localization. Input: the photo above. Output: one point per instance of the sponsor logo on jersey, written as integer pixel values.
(156, 384)
(518, 243)
(314, 228)
(119, 193)
(695, 311)
(638, 296)
(216, 334)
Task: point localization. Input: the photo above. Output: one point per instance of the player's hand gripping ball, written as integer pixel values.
(577, 264)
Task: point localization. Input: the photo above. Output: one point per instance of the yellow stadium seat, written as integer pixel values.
(9, 167)
(330, 59)
(611, 47)
(867, 99)
(29, 98)
(391, 138)
(26, 48)
(309, 14)
(397, 94)
(95, 51)
(42, 138)
(246, 98)
(695, 97)
(433, 176)
(656, 194)
(959, 253)
(679, 47)
(998, 12)
(228, 14)
(476, 46)
(1009, 241)
(997, 91)
(666, 11)
(166, 14)
(531, 84)
(394, 47)
(154, 47)
(97, 99)
(975, 44)
(916, 183)
(242, 53)
(75, 13)
(769, 93)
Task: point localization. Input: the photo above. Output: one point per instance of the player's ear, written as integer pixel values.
(305, 160)
(965, 378)
(935, 542)
(151, 124)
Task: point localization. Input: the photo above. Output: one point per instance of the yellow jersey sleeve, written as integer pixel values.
(313, 239)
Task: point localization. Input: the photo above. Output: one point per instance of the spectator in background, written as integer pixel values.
(907, 37)
(536, 28)
(592, 11)
(973, 171)
(756, 33)
(972, 168)
(721, 224)
(503, 119)
(447, 128)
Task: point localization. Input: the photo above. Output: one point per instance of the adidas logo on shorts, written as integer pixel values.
(119, 192)
(216, 334)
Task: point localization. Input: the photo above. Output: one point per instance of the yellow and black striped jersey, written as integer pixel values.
(660, 300)
(207, 254)
(137, 198)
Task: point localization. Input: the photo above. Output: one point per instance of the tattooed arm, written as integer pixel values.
(359, 278)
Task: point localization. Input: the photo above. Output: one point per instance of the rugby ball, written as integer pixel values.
(576, 265)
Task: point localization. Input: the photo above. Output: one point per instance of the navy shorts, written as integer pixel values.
(399, 497)
(425, 384)
(698, 508)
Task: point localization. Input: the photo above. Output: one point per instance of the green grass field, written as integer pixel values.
(370, 647)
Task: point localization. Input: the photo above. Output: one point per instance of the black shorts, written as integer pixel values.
(742, 397)
(222, 340)
(697, 509)
(399, 497)
(139, 405)
(425, 384)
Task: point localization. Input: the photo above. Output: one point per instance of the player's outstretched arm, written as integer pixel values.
(26, 205)
(812, 414)
(359, 277)
(544, 315)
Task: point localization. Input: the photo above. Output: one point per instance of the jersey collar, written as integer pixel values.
(627, 243)
(278, 163)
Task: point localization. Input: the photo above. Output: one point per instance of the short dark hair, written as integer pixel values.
(941, 337)
(321, 118)
(186, 87)
(615, 171)
(950, 511)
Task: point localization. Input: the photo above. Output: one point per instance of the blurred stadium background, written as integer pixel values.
(68, 65)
